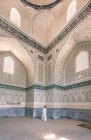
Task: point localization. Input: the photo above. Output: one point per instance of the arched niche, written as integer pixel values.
(44, 27)
(13, 46)
(62, 59)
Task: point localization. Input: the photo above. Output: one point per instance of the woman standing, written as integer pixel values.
(44, 114)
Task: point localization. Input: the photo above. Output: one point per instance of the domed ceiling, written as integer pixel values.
(41, 2)
(48, 17)
(45, 21)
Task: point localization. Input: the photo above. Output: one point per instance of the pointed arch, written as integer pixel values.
(13, 46)
(61, 60)
(42, 29)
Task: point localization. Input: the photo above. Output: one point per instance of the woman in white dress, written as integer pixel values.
(44, 114)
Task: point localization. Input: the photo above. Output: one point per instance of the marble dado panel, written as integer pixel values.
(39, 96)
(30, 96)
(29, 101)
(20, 35)
(41, 7)
(36, 93)
(12, 97)
(50, 96)
(54, 111)
(62, 99)
(35, 98)
(79, 95)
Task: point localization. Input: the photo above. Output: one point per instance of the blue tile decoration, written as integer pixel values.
(31, 87)
(28, 112)
(33, 112)
(37, 112)
(20, 35)
(57, 113)
(53, 113)
(41, 7)
(79, 114)
(12, 112)
(72, 86)
(77, 85)
(12, 87)
(36, 87)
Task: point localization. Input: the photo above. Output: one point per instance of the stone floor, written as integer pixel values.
(34, 129)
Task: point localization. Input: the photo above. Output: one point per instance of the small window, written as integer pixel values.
(15, 16)
(82, 61)
(71, 10)
(8, 66)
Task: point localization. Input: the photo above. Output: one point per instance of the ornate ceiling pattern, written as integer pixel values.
(41, 4)
(20, 35)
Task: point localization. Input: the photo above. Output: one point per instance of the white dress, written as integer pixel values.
(44, 114)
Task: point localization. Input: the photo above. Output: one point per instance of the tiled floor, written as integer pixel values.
(35, 129)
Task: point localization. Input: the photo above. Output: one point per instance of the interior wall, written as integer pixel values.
(73, 102)
(25, 58)
(73, 99)
(42, 73)
(19, 76)
(61, 58)
(12, 88)
(70, 73)
(22, 53)
(12, 101)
